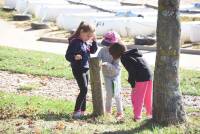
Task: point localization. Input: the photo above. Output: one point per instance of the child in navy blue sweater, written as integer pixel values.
(78, 54)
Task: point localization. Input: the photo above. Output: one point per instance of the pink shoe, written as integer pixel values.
(136, 119)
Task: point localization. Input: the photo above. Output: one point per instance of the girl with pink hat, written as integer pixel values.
(111, 73)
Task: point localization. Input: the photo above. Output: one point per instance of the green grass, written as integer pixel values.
(17, 107)
(35, 63)
(12, 105)
(190, 82)
(40, 63)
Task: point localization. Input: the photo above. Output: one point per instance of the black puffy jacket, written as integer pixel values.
(137, 67)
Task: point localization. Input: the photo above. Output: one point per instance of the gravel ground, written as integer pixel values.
(60, 88)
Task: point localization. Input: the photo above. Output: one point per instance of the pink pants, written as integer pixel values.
(142, 95)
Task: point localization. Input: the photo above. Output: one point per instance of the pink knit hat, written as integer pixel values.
(110, 37)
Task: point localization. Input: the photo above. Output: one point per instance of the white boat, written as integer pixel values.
(185, 31)
(125, 26)
(132, 26)
(10, 3)
(71, 21)
(33, 5)
(191, 8)
(50, 13)
(195, 32)
(25, 6)
(21, 6)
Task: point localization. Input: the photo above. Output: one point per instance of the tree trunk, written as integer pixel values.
(95, 79)
(167, 98)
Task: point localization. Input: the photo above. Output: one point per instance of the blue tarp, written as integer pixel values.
(126, 14)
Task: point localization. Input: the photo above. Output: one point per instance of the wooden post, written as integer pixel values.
(96, 88)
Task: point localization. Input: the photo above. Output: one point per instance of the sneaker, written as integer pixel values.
(77, 115)
(136, 119)
(149, 116)
(83, 113)
(120, 116)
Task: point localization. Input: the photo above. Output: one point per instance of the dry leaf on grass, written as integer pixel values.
(60, 126)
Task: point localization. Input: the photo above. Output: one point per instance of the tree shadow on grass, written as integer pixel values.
(89, 118)
(146, 125)
(67, 117)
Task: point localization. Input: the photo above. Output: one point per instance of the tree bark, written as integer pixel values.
(167, 98)
(96, 88)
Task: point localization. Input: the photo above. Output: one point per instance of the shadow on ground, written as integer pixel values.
(146, 125)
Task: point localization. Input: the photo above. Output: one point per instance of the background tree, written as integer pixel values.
(167, 99)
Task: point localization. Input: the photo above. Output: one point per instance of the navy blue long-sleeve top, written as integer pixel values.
(77, 46)
(137, 67)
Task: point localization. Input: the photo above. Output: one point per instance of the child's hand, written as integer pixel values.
(104, 64)
(94, 38)
(78, 57)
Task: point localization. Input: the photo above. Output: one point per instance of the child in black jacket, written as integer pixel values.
(139, 77)
(78, 54)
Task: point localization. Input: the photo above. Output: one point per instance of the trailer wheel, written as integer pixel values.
(144, 40)
(21, 17)
(38, 25)
(7, 9)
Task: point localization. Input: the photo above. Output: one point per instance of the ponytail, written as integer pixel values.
(83, 27)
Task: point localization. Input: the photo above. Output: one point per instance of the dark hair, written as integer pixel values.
(116, 50)
(83, 27)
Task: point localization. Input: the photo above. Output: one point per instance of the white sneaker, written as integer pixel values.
(120, 117)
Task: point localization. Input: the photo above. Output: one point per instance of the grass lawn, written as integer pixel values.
(190, 82)
(40, 63)
(35, 63)
(56, 114)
